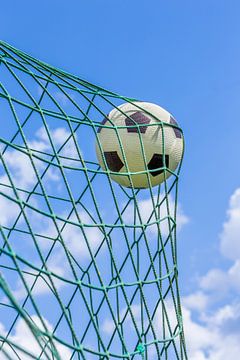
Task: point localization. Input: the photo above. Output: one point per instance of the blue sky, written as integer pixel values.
(182, 55)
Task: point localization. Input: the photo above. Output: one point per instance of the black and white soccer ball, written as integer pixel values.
(140, 139)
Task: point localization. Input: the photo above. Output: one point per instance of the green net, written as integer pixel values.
(88, 267)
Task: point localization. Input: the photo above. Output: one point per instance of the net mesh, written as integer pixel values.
(88, 268)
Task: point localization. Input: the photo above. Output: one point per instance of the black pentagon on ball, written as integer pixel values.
(137, 118)
(113, 161)
(177, 132)
(157, 162)
(103, 123)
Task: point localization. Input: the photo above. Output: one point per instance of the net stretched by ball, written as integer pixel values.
(88, 256)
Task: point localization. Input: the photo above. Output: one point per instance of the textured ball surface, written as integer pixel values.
(137, 138)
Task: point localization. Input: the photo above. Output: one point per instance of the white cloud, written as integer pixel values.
(43, 284)
(222, 281)
(199, 337)
(3, 331)
(196, 301)
(21, 168)
(147, 208)
(234, 275)
(108, 325)
(59, 136)
(58, 262)
(75, 240)
(214, 334)
(182, 218)
(230, 236)
(20, 165)
(9, 210)
(62, 98)
(213, 337)
(73, 236)
(24, 338)
(209, 336)
(216, 280)
(22, 171)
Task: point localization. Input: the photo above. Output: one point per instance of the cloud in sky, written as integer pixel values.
(108, 325)
(20, 166)
(214, 334)
(59, 137)
(230, 236)
(209, 337)
(42, 285)
(212, 337)
(75, 236)
(23, 336)
(22, 171)
(23, 176)
(63, 99)
(146, 209)
(222, 281)
(58, 262)
(196, 301)
(8, 209)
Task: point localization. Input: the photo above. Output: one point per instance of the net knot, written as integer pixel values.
(141, 348)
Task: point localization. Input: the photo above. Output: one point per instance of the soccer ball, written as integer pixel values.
(141, 143)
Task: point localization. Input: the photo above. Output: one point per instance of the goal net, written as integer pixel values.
(88, 268)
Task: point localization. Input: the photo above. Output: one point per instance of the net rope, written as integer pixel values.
(88, 268)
